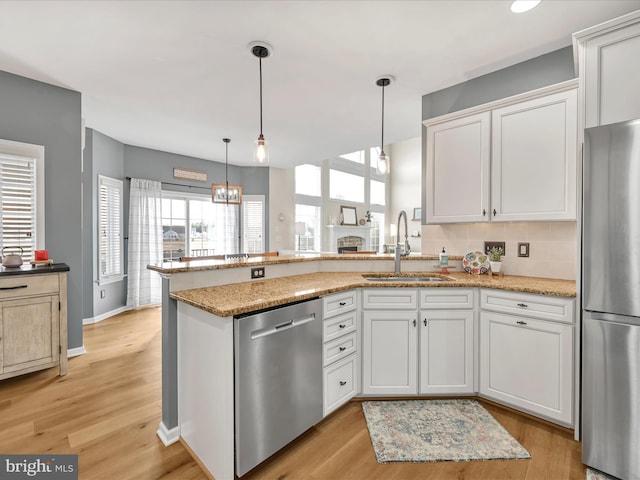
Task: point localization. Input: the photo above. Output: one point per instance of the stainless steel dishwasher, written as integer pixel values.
(278, 379)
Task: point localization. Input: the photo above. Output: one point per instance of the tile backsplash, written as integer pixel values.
(552, 245)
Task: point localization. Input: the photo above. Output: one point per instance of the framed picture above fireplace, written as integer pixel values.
(348, 215)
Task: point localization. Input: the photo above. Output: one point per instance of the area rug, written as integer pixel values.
(595, 475)
(437, 430)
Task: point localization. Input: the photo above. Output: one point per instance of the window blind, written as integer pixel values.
(110, 229)
(19, 199)
(253, 225)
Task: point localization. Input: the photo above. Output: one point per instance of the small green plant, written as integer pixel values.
(495, 254)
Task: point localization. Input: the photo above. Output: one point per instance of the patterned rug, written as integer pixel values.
(437, 430)
(595, 475)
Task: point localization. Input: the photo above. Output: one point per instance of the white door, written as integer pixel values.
(389, 352)
(253, 224)
(457, 176)
(528, 364)
(446, 351)
(533, 159)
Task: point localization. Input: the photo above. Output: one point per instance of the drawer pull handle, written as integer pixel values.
(520, 322)
(342, 349)
(425, 322)
(484, 212)
(415, 323)
(523, 305)
(342, 325)
(13, 288)
(494, 212)
(342, 383)
(342, 304)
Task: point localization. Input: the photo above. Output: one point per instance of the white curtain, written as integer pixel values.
(145, 243)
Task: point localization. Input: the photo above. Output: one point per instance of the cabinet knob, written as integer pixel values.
(484, 212)
(520, 322)
(342, 304)
(342, 383)
(415, 322)
(425, 322)
(523, 305)
(342, 349)
(494, 212)
(342, 325)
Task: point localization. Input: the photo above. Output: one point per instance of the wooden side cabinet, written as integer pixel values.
(33, 323)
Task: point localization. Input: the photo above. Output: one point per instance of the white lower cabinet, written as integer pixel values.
(390, 352)
(340, 357)
(527, 363)
(418, 341)
(446, 351)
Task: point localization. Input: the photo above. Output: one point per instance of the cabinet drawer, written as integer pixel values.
(339, 325)
(447, 298)
(339, 348)
(27, 285)
(339, 303)
(340, 380)
(529, 305)
(390, 298)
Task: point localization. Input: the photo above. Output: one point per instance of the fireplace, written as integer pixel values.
(349, 238)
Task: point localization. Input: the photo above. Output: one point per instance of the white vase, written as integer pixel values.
(495, 266)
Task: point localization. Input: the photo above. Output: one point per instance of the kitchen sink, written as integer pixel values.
(400, 278)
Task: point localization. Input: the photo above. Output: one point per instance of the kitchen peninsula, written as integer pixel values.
(223, 289)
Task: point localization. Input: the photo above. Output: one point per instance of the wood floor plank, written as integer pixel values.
(107, 410)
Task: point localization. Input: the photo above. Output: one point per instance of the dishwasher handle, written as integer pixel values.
(281, 327)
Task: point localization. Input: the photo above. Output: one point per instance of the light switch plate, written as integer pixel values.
(523, 249)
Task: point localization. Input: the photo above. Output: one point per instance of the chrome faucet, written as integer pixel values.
(407, 248)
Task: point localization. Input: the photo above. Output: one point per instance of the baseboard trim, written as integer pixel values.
(104, 316)
(168, 436)
(74, 352)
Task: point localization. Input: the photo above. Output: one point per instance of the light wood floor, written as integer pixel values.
(107, 410)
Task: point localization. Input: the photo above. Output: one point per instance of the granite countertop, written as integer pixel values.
(239, 298)
(198, 265)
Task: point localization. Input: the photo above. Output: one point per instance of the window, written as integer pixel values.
(22, 194)
(377, 231)
(310, 238)
(308, 180)
(357, 157)
(346, 186)
(109, 230)
(377, 194)
(253, 224)
(193, 226)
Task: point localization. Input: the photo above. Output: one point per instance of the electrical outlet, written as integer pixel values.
(257, 272)
(489, 245)
(523, 249)
(103, 293)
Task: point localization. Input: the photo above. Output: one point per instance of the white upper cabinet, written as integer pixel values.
(608, 67)
(533, 162)
(458, 154)
(508, 160)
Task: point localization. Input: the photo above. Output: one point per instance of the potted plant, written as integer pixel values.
(495, 258)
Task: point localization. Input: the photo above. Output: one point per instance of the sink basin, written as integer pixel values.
(421, 278)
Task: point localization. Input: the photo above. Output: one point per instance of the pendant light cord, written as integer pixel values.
(382, 139)
(260, 60)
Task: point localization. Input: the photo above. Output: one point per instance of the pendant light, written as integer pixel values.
(383, 166)
(261, 50)
(223, 192)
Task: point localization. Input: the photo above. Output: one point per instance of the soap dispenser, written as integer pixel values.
(444, 258)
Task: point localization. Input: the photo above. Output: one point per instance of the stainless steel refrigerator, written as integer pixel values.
(611, 300)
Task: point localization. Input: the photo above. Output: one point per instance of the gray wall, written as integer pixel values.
(42, 114)
(538, 72)
(103, 156)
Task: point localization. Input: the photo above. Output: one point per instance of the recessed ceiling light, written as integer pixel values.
(519, 6)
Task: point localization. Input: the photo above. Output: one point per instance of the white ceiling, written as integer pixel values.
(178, 75)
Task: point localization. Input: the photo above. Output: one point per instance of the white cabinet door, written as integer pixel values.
(527, 364)
(608, 65)
(389, 352)
(446, 351)
(340, 383)
(457, 176)
(533, 159)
